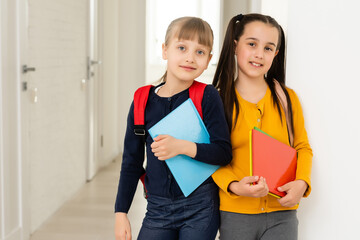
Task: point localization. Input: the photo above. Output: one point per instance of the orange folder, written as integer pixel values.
(273, 160)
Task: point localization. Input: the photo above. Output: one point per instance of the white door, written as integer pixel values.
(54, 104)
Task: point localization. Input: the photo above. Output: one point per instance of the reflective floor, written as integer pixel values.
(89, 215)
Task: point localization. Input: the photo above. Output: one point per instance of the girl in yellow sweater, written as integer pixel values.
(248, 91)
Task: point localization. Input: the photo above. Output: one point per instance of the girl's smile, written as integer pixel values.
(255, 64)
(188, 68)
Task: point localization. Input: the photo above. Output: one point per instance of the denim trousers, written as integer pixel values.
(195, 217)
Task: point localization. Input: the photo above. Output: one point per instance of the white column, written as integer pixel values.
(10, 162)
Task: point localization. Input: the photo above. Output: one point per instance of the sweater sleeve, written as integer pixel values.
(223, 177)
(218, 151)
(132, 165)
(301, 143)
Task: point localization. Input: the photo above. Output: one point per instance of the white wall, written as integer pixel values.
(131, 57)
(232, 8)
(110, 78)
(323, 68)
(277, 9)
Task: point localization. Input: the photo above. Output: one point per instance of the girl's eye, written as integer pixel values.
(252, 44)
(181, 48)
(268, 49)
(200, 52)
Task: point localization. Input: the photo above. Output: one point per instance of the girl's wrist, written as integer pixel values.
(233, 188)
(229, 187)
(188, 148)
(303, 184)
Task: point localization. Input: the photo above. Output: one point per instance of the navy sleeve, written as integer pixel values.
(219, 151)
(131, 167)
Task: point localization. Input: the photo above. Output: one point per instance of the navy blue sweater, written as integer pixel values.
(159, 181)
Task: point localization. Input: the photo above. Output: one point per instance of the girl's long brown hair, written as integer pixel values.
(224, 78)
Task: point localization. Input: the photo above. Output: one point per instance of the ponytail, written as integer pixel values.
(277, 71)
(225, 73)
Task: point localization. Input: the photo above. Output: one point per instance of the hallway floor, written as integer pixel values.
(89, 215)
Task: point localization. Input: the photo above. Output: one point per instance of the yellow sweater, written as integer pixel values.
(265, 116)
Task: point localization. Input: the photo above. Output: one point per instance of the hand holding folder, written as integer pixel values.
(185, 123)
(273, 160)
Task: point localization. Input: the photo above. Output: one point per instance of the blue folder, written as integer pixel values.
(185, 123)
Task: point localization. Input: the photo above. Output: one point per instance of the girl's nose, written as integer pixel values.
(259, 53)
(190, 57)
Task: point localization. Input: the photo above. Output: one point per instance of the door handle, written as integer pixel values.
(92, 62)
(26, 69)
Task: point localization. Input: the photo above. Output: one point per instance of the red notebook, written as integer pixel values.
(273, 160)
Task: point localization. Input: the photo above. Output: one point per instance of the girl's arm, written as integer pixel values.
(235, 186)
(219, 151)
(166, 146)
(132, 165)
(301, 144)
(294, 192)
(245, 187)
(301, 187)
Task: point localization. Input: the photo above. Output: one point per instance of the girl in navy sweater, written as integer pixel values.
(171, 215)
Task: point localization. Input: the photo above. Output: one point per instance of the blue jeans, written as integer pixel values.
(192, 218)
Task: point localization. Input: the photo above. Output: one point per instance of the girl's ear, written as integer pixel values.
(277, 51)
(164, 51)
(210, 56)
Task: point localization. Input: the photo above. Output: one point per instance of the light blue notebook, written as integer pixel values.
(185, 123)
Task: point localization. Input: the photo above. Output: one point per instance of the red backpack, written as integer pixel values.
(196, 93)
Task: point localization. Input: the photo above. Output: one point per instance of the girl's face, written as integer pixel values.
(255, 50)
(186, 59)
